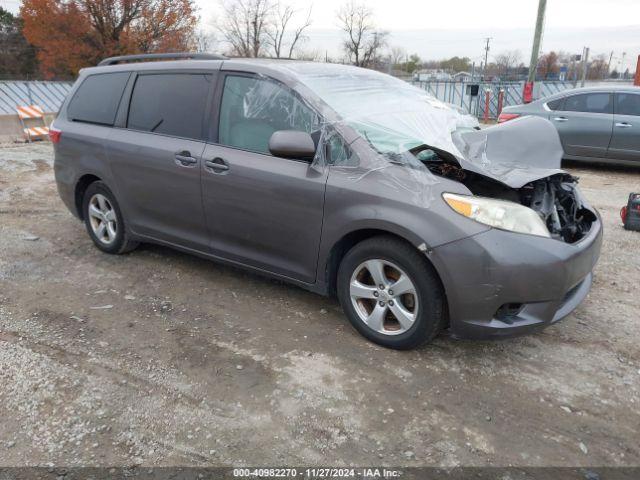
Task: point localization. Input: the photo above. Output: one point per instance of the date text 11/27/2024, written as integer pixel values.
(319, 472)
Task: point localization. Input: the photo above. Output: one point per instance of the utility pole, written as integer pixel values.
(486, 55)
(585, 64)
(609, 64)
(537, 36)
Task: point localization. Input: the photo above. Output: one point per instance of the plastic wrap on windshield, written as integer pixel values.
(365, 123)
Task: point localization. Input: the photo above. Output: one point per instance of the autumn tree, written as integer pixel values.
(71, 34)
(548, 64)
(17, 56)
(363, 41)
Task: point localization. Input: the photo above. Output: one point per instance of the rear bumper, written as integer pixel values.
(65, 181)
(548, 278)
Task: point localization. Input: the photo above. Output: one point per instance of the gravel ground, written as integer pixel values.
(160, 358)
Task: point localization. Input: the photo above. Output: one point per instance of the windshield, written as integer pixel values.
(392, 115)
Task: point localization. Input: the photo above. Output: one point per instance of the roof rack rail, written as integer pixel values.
(160, 56)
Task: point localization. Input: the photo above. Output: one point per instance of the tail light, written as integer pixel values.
(507, 116)
(54, 135)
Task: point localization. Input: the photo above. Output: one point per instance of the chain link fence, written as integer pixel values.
(472, 95)
(48, 95)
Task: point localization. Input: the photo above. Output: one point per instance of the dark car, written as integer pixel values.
(341, 180)
(597, 124)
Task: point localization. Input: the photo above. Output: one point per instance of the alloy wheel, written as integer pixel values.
(384, 297)
(102, 218)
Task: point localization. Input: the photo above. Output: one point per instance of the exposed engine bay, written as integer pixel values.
(554, 198)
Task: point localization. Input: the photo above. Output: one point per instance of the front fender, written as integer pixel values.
(374, 203)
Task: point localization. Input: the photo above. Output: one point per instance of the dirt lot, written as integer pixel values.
(160, 358)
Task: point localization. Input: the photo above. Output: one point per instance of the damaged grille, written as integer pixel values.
(557, 201)
(556, 198)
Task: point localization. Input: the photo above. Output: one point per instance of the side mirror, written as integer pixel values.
(292, 144)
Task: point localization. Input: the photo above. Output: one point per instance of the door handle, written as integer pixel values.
(560, 119)
(623, 125)
(184, 159)
(217, 165)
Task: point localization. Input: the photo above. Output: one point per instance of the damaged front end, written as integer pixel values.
(556, 199)
(519, 163)
(558, 202)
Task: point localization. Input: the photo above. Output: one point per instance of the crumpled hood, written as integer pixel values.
(514, 153)
(395, 117)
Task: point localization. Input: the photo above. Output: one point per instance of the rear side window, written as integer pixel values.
(97, 99)
(589, 102)
(171, 104)
(628, 104)
(555, 104)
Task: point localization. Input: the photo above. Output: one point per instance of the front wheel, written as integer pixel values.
(390, 293)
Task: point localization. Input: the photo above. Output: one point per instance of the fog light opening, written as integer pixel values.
(507, 311)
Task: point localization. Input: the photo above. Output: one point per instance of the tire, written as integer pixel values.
(114, 238)
(424, 302)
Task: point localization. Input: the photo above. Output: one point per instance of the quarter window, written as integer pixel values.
(97, 99)
(589, 102)
(555, 104)
(170, 104)
(338, 152)
(628, 104)
(252, 109)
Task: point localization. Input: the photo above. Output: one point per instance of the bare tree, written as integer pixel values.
(398, 55)
(278, 30)
(245, 24)
(364, 41)
(507, 60)
(598, 68)
(313, 55)
(205, 41)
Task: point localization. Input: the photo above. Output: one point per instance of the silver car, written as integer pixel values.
(598, 124)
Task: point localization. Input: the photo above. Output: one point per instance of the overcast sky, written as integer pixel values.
(436, 29)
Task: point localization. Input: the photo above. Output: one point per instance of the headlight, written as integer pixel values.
(498, 213)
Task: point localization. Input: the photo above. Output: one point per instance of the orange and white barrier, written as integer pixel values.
(30, 112)
(36, 131)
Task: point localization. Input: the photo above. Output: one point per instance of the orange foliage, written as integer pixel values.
(73, 34)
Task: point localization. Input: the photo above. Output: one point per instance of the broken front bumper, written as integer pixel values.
(541, 280)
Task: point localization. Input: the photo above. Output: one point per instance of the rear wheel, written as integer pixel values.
(104, 221)
(390, 293)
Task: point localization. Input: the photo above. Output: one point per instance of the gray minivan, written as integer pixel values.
(341, 180)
